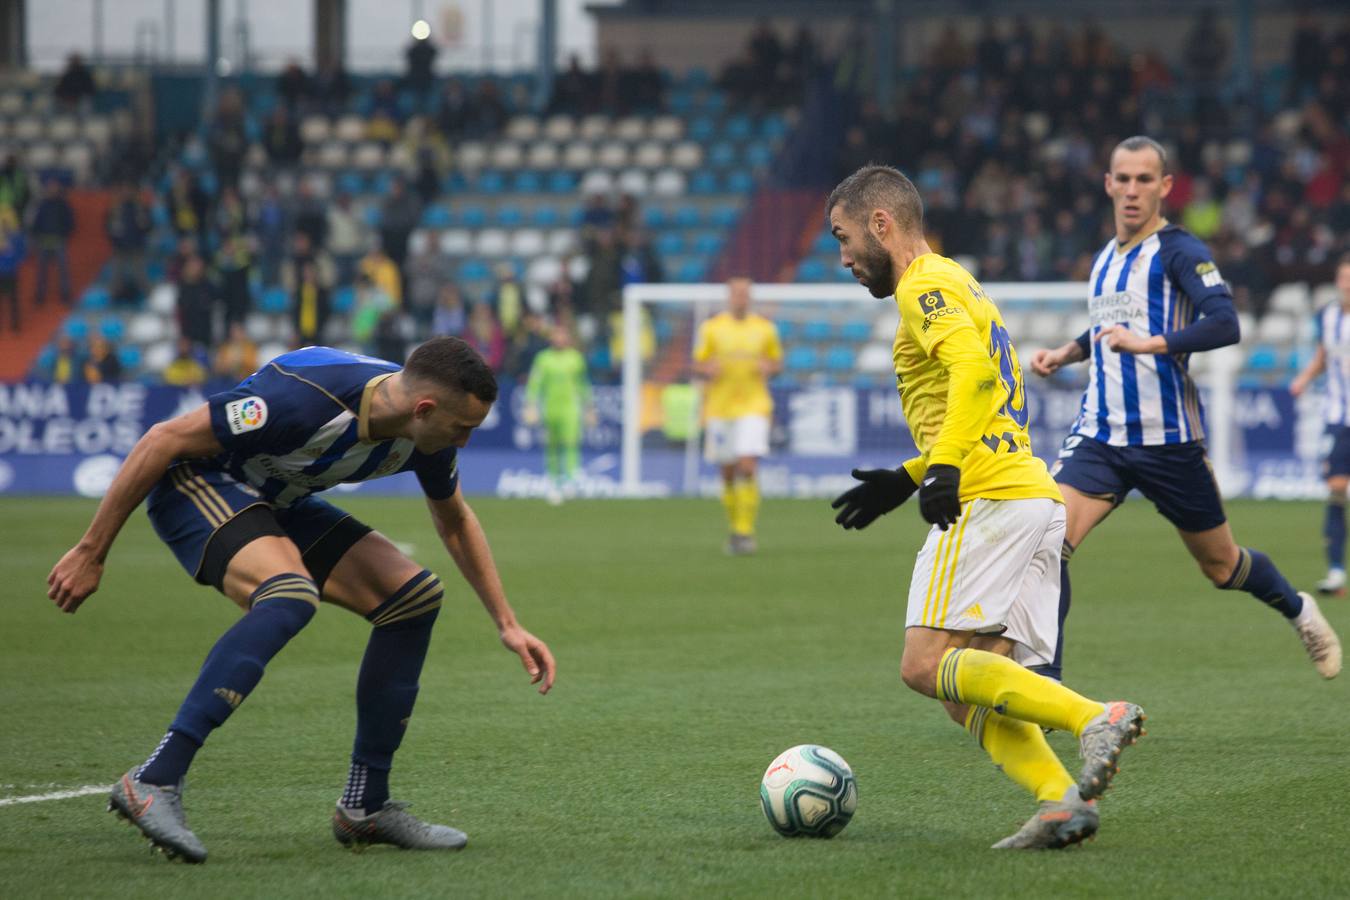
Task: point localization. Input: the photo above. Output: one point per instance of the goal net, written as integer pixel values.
(835, 403)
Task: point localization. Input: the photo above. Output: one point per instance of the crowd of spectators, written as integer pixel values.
(1007, 139)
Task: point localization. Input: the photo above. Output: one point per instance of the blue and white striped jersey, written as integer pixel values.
(301, 424)
(1155, 287)
(1333, 334)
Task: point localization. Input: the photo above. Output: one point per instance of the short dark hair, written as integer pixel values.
(1143, 142)
(880, 187)
(452, 363)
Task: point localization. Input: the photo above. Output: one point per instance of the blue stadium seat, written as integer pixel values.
(437, 215)
(839, 273)
(154, 270)
(472, 216)
(668, 243)
(695, 77)
(811, 269)
(96, 298)
(344, 298)
(691, 270)
(679, 102)
(598, 360)
(159, 215)
(687, 216)
(663, 329)
(274, 300)
(758, 155)
(704, 182)
(740, 181)
(545, 217)
(713, 101)
(841, 358)
(817, 330)
(490, 182)
(709, 242)
(371, 215)
(773, 127)
(654, 217)
(1263, 358)
(509, 216)
(528, 182)
(824, 243)
(738, 128)
(351, 183)
(724, 216)
(702, 129)
(802, 358)
(129, 356)
(787, 329)
(76, 329)
(562, 183)
(112, 328)
(722, 154)
(474, 270)
(855, 332)
(46, 357)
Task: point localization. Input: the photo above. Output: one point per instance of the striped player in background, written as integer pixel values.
(231, 488)
(1156, 297)
(738, 352)
(1333, 358)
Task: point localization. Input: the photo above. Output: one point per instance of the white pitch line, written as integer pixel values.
(58, 795)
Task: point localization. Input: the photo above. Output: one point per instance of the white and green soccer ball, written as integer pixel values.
(808, 791)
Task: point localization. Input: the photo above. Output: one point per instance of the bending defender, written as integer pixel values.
(1333, 357)
(231, 490)
(979, 595)
(1157, 297)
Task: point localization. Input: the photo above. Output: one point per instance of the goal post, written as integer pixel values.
(836, 403)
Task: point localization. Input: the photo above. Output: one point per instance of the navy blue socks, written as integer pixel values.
(386, 688)
(1257, 575)
(1333, 532)
(278, 609)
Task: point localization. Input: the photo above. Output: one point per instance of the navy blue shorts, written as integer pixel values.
(1337, 460)
(1176, 477)
(206, 517)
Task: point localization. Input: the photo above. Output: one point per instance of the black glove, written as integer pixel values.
(940, 496)
(881, 491)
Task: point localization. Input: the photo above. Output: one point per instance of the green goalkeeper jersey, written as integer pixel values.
(558, 382)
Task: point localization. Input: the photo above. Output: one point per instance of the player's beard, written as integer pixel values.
(876, 267)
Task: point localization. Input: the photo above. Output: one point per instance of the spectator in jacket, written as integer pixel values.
(102, 366)
(196, 303)
(128, 227)
(53, 224)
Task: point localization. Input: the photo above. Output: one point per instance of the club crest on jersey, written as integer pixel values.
(248, 414)
(932, 300)
(1209, 274)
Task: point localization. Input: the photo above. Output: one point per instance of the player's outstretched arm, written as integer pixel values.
(1316, 366)
(466, 543)
(879, 492)
(77, 574)
(1047, 362)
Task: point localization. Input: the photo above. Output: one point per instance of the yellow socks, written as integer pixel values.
(746, 506)
(730, 504)
(1020, 750)
(980, 678)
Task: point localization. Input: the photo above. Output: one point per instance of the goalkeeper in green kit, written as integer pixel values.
(558, 393)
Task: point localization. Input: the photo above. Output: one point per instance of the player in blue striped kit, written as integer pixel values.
(1156, 298)
(1333, 358)
(231, 489)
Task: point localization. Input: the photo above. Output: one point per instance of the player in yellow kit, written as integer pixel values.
(738, 352)
(984, 596)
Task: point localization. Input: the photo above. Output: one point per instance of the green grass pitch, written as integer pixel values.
(682, 674)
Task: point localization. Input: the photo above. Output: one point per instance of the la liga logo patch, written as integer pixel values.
(248, 414)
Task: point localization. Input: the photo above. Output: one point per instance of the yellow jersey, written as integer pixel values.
(739, 346)
(961, 386)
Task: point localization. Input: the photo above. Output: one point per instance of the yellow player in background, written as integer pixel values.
(738, 352)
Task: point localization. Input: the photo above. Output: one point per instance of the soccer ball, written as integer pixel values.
(809, 791)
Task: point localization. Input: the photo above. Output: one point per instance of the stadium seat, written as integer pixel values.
(740, 182)
(666, 129)
(562, 242)
(724, 215)
(351, 183)
(737, 128)
(77, 329)
(630, 128)
(687, 215)
(562, 183)
(594, 128)
(787, 329)
(490, 182)
(811, 270)
(146, 328)
(691, 271)
(344, 298)
(579, 155)
(528, 182)
(704, 182)
(522, 128)
(759, 156)
(597, 181)
(559, 128)
(471, 156)
(492, 242)
(527, 242)
(544, 270)
(1292, 298)
(876, 358)
(543, 155)
(668, 183)
(855, 331)
(841, 358)
(722, 155)
(709, 243)
(472, 215)
(612, 155)
(274, 300)
(817, 330)
(824, 243)
(669, 243)
(436, 215)
(544, 217)
(702, 130)
(509, 216)
(474, 270)
(507, 156)
(635, 182)
(651, 155)
(456, 242)
(112, 328)
(686, 155)
(158, 355)
(95, 299)
(1263, 358)
(1277, 328)
(680, 102)
(802, 358)
(773, 128)
(129, 355)
(654, 217)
